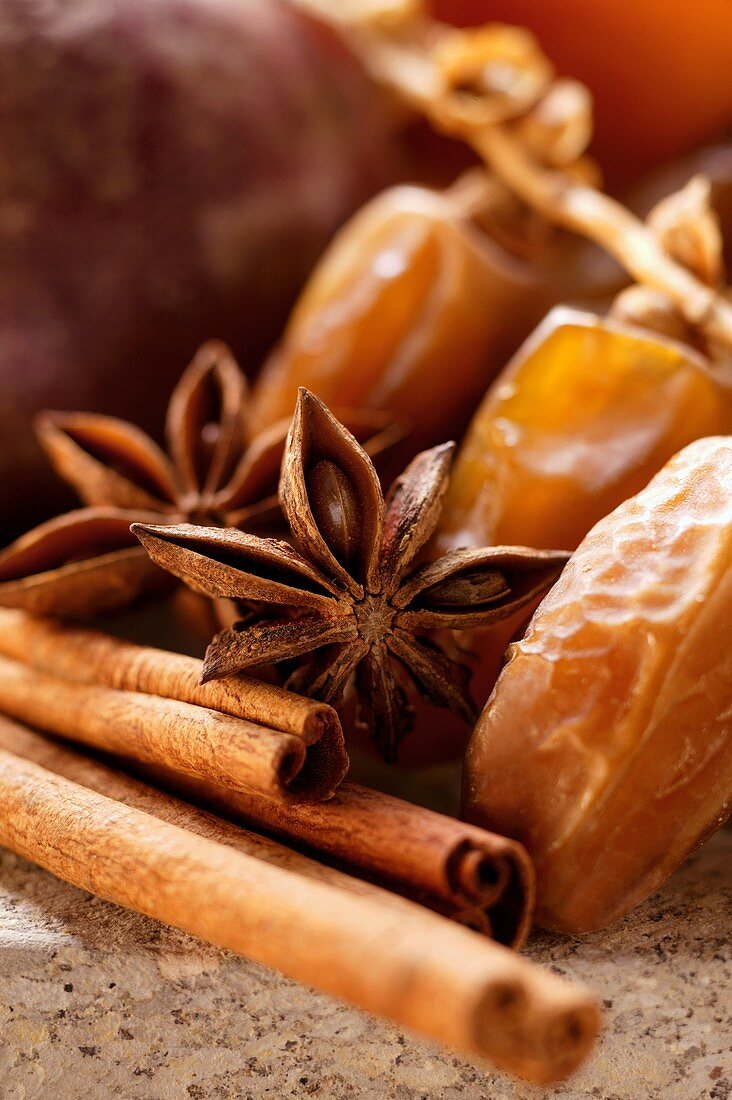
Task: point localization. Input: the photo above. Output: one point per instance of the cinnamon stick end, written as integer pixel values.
(325, 763)
(532, 1035)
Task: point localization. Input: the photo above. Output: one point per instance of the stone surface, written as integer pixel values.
(98, 1002)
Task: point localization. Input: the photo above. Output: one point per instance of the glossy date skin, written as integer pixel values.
(585, 414)
(414, 309)
(606, 747)
(587, 411)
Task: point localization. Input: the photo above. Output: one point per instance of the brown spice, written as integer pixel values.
(260, 737)
(477, 877)
(474, 876)
(87, 562)
(432, 975)
(91, 657)
(192, 739)
(112, 783)
(344, 603)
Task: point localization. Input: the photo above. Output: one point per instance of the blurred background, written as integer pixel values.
(170, 170)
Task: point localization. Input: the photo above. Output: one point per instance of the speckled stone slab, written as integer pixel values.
(98, 1002)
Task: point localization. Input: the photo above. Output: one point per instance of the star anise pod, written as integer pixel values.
(346, 600)
(86, 561)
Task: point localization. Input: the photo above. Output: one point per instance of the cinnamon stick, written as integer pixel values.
(306, 762)
(194, 740)
(97, 776)
(419, 970)
(483, 879)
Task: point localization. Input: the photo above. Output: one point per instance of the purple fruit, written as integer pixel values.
(169, 171)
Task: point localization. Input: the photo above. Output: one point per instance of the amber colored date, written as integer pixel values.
(413, 310)
(584, 415)
(606, 746)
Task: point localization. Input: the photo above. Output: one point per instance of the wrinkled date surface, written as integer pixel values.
(606, 746)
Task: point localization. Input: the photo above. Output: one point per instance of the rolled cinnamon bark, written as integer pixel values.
(481, 878)
(478, 877)
(97, 776)
(90, 657)
(418, 970)
(194, 740)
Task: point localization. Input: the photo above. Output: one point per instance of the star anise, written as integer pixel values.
(346, 600)
(86, 561)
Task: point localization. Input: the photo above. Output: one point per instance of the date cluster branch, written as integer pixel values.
(398, 42)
